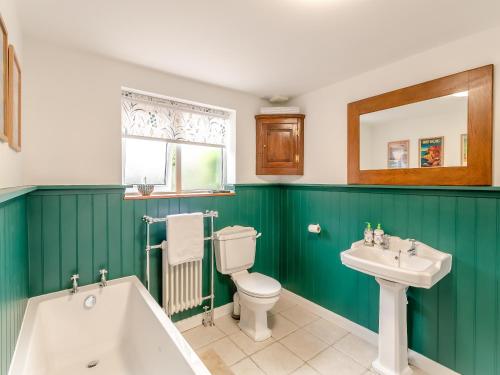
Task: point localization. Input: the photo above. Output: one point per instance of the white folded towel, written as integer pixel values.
(185, 238)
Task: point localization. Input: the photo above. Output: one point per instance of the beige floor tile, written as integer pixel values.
(226, 349)
(280, 326)
(305, 370)
(327, 331)
(227, 324)
(214, 363)
(304, 344)
(358, 349)
(299, 315)
(284, 303)
(277, 360)
(201, 336)
(332, 361)
(246, 367)
(417, 371)
(248, 345)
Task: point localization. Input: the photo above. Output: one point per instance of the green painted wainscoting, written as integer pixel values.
(84, 229)
(455, 323)
(13, 275)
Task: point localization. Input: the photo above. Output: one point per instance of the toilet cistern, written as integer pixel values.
(403, 264)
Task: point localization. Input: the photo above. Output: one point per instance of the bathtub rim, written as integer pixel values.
(29, 319)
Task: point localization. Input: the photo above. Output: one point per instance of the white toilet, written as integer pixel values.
(235, 254)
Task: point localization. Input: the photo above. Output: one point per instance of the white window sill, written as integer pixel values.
(164, 195)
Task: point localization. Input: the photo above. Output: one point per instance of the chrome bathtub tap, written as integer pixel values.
(413, 249)
(74, 279)
(103, 273)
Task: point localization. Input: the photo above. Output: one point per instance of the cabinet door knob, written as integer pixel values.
(265, 146)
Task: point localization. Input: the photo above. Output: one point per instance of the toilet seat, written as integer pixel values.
(258, 285)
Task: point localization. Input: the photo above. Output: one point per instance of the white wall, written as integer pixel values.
(11, 161)
(326, 108)
(72, 119)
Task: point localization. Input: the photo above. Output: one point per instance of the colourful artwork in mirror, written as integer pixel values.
(431, 151)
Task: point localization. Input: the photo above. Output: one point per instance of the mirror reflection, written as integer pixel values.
(427, 134)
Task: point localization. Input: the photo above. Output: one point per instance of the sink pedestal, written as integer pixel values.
(392, 333)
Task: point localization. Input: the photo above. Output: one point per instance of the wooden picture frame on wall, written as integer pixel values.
(4, 82)
(14, 101)
(478, 171)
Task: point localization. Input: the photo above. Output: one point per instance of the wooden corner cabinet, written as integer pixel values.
(280, 144)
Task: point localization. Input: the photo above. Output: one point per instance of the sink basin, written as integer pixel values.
(395, 270)
(422, 270)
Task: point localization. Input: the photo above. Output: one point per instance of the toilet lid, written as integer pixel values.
(258, 285)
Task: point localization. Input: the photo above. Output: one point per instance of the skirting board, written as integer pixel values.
(416, 359)
(196, 320)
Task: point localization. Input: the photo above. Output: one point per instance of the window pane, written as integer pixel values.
(201, 167)
(144, 159)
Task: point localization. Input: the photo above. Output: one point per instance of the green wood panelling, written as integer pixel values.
(82, 230)
(13, 275)
(455, 323)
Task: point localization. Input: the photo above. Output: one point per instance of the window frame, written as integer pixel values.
(178, 164)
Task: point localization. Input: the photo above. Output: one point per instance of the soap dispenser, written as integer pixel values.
(368, 235)
(378, 236)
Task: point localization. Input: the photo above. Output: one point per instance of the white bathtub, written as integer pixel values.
(126, 331)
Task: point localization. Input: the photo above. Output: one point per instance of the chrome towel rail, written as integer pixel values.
(209, 317)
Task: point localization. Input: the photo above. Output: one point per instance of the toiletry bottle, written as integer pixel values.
(378, 236)
(368, 235)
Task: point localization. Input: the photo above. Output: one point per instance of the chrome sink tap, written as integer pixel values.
(103, 273)
(74, 279)
(412, 251)
(386, 243)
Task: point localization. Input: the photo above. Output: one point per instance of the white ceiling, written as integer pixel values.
(264, 47)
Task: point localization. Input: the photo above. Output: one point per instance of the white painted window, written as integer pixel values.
(178, 146)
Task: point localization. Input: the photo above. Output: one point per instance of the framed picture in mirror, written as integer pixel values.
(431, 152)
(4, 81)
(14, 101)
(398, 154)
(463, 150)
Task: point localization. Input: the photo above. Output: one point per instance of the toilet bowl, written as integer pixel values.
(257, 293)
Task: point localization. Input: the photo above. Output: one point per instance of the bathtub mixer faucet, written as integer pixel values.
(74, 279)
(103, 273)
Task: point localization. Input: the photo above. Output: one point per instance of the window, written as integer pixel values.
(177, 146)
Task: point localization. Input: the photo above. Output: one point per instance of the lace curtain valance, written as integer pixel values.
(149, 116)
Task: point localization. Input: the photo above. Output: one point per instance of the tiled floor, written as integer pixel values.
(302, 344)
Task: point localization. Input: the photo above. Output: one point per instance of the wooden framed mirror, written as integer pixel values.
(435, 133)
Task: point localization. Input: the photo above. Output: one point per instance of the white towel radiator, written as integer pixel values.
(182, 284)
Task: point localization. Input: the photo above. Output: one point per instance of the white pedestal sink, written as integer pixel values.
(395, 270)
